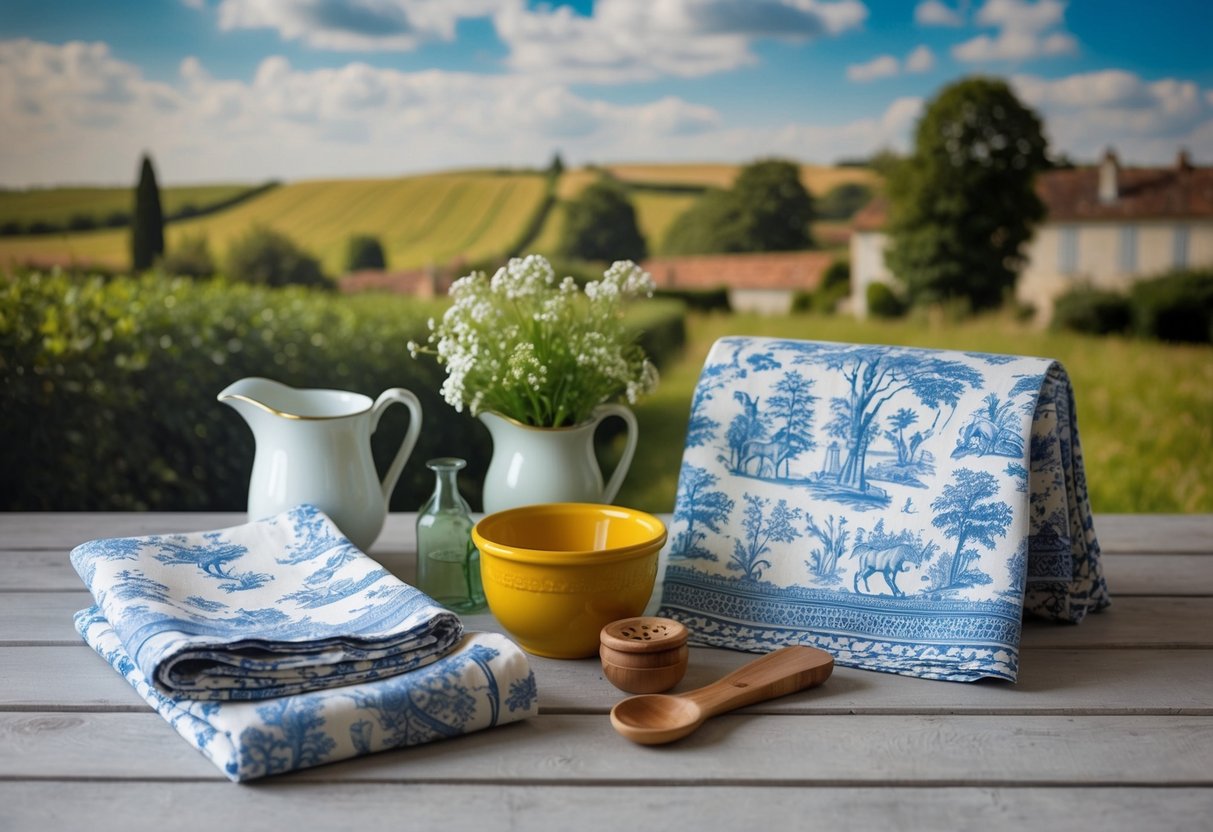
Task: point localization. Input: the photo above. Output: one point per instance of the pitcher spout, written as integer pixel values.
(252, 396)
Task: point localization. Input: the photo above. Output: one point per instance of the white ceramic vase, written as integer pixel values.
(552, 465)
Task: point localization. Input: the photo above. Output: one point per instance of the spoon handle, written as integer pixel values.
(776, 674)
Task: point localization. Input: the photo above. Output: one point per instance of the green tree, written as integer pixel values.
(601, 225)
(147, 227)
(767, 209)
(963, 205)
(190, 257)
(269, 258)
(363, 251)
(842, 201)
(774, 206)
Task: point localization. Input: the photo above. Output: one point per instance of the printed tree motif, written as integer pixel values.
(211, 558)
(132, 584)
(899, 421)
(760, 532)
(314, 535)
(701, 427)
(962, 515)
(875, 376)
(700, 508)
(792, 408)
(746, 427)
(823, 561)
(294, 736)
(523, 693)
(1020, 474)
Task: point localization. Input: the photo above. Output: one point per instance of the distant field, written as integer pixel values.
(418, 220)
(58, 206)
(817, 178)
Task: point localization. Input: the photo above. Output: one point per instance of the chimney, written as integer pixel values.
(1108, 168)
(1183, 162)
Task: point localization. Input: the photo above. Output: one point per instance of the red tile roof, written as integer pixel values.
(781, 270)
(1073, 196)
(1142, 193)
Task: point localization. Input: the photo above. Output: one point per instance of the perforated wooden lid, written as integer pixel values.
(644, 634)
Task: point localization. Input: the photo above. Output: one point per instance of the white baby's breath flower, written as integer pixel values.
(538, 349)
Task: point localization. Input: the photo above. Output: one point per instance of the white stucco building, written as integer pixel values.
(1104, 226)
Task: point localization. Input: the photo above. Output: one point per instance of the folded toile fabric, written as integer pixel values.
(898, 507)
(484, 681)
(275, 607)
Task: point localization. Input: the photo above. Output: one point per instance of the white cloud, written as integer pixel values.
(935, 13)
(1146, 120)
(633, 40)
(76, 113)
(884, 66)
(922, 59)
(1026, 30)
(361, 25)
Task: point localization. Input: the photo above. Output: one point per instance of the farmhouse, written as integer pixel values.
(1105, 226)
(763, 283)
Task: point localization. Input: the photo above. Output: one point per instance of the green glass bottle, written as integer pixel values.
(448, 565)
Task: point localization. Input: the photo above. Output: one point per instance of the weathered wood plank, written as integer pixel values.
(291, 804)
(1138, 681)
(1127, 574)
(1118, 533)
(46, 618)
(846, 751)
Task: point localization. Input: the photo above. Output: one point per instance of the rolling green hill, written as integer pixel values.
(418, 220)
(436, 218)
(59, 206)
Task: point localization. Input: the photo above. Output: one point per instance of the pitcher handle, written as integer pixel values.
(398, 395)
(629, 450)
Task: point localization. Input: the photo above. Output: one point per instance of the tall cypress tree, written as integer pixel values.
(147, 227)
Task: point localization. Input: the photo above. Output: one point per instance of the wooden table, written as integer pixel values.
(1110, 726)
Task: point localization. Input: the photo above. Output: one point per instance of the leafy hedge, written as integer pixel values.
(1177, 306)
(1094, 311)
(110, 386)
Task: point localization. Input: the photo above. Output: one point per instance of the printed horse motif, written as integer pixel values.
(983, 437)
(777, 452)
(889, 561)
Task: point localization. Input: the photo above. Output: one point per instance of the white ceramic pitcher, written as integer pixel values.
(314, 446)
(552, 465)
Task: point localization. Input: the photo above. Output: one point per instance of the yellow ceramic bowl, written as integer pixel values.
(555, 574)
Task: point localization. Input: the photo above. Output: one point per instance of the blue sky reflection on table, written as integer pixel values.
(227, 90)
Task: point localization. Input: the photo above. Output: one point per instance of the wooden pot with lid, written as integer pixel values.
(644, 654)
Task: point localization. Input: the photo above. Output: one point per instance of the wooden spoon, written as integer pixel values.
(656, 718)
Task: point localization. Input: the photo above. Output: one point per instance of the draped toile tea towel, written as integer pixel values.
(278, 645)
(898, 507)
(279, 606)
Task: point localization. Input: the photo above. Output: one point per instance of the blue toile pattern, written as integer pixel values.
(456, 694)
(898, 507)
(281, 606)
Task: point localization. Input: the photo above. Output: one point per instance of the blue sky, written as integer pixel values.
(245, 90)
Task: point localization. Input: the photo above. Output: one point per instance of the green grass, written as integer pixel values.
(1145, 409)
(58, 206)
(419, 220)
